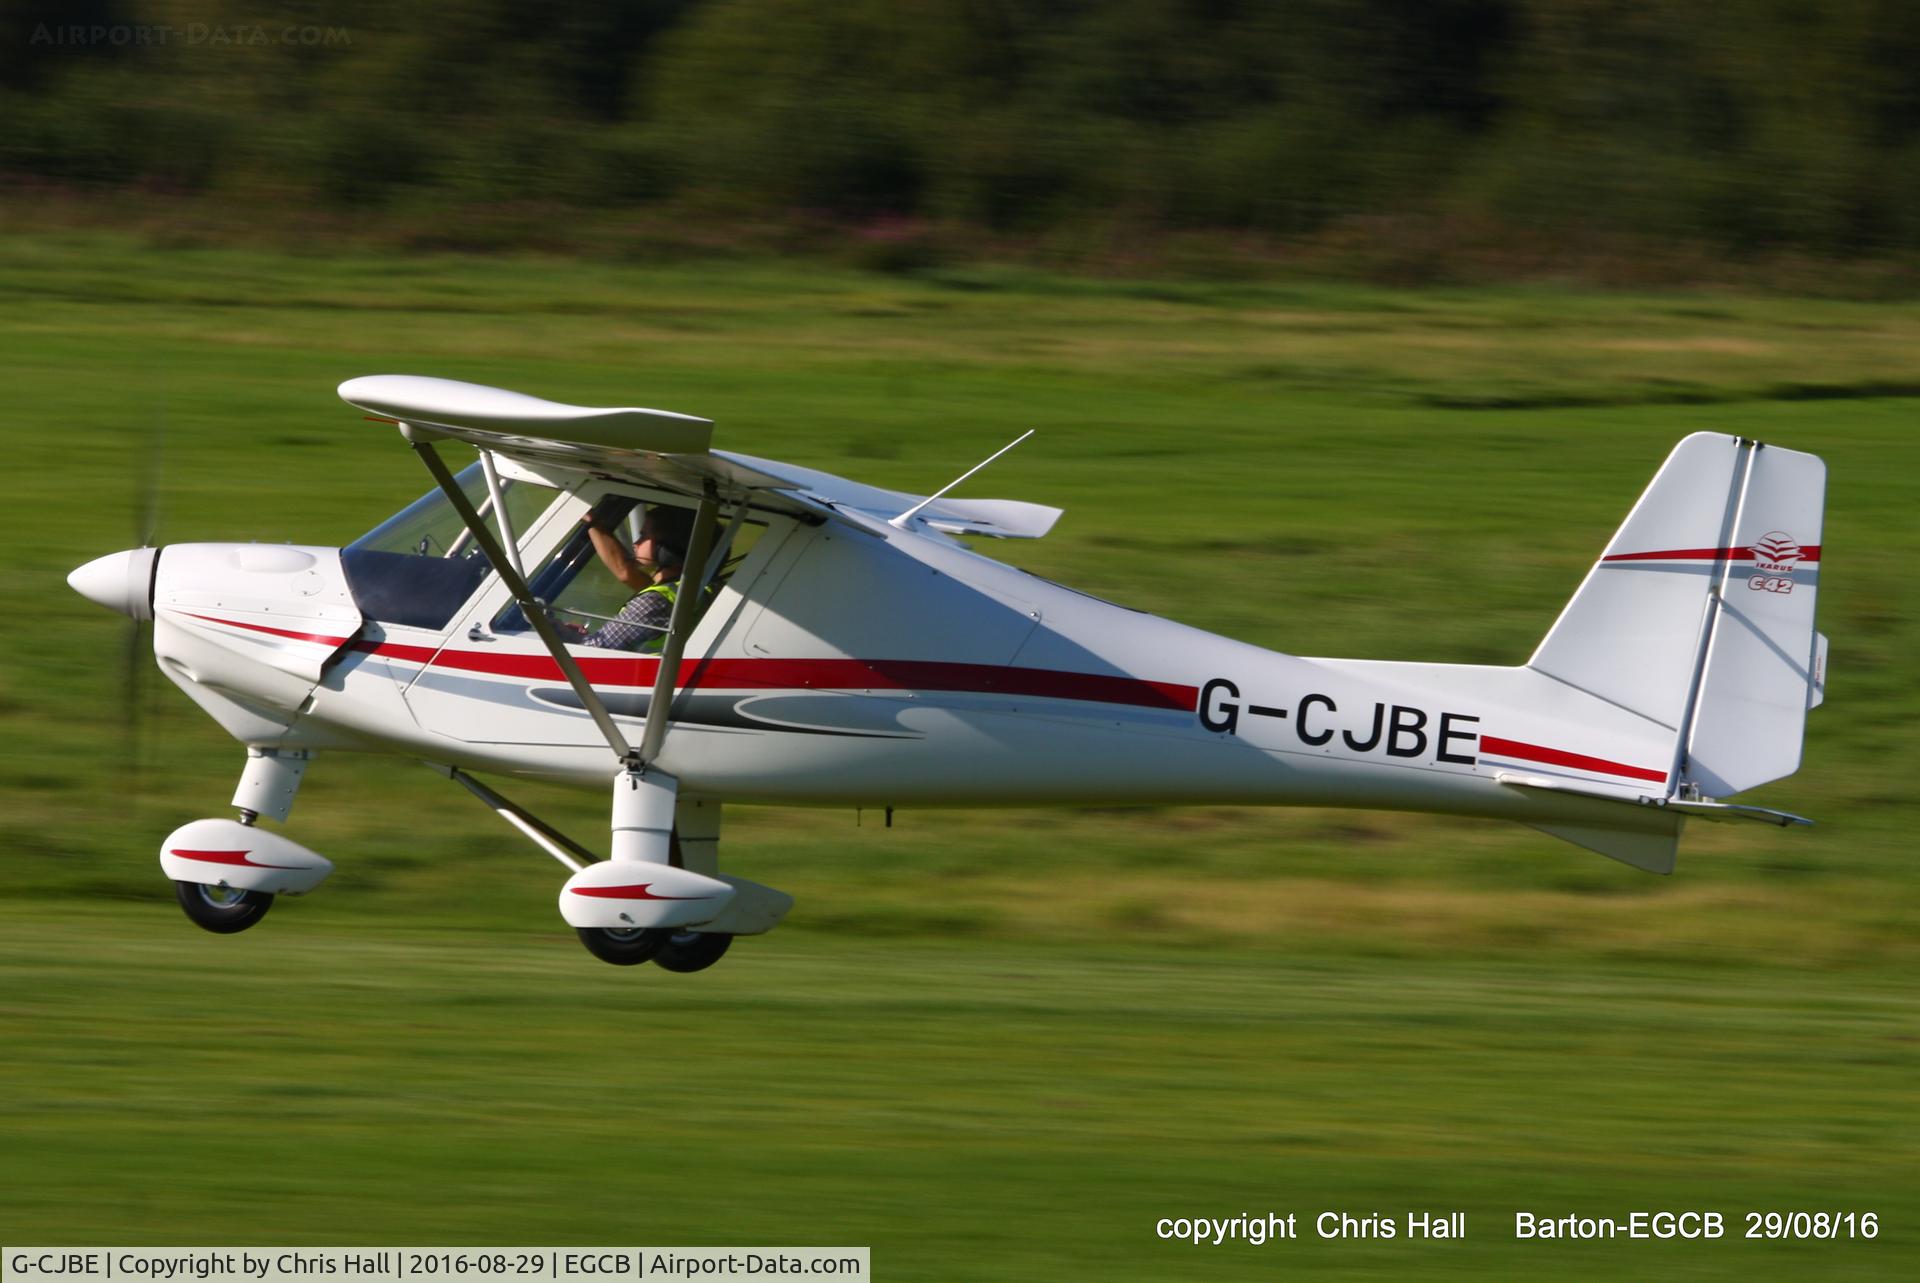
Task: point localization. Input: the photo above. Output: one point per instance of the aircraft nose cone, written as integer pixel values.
(121, 581)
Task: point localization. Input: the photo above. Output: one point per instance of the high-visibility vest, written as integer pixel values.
(671, 591)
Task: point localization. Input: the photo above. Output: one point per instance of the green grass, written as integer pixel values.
(993, 1045)
(970, 1111)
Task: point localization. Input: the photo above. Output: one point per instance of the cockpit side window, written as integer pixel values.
(419, 566)
(585, 598)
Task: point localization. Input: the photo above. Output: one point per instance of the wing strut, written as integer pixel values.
(535, 610)
(544, 835)
(686, 604)
(510, 539)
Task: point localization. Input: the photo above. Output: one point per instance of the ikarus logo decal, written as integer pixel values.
(1775, 554)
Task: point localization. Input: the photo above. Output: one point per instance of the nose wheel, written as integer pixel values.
(221, 910)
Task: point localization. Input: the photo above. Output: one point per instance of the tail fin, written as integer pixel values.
(1700, 614)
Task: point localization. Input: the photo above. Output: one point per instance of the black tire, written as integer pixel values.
(692, 950)
(221, 910)
(623, 946)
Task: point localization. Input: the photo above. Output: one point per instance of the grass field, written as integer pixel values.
(992, 1045)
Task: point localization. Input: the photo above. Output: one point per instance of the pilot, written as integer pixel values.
(652, 569)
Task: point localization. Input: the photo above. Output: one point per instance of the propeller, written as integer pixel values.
(137, 653)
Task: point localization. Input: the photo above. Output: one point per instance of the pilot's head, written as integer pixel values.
(664, 535)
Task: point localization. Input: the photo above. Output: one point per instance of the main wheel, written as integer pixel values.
(692, 950)
(222, 910)
(623, 946)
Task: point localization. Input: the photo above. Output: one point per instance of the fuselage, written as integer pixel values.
(834, 644)
(846, 662)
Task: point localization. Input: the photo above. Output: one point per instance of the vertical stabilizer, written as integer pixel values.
(1700, 614)
(1631, 634)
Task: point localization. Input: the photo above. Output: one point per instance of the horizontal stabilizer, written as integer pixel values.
(1731, 811)
(1647, 834)
(1555, 784)
(1702, 809)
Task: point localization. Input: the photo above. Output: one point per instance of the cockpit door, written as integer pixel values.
(494, 682)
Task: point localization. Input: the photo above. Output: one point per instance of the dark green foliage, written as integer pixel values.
(1771, 126)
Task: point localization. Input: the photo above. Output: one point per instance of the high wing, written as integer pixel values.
(662, 449)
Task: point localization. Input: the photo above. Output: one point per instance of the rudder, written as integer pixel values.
(1765, 663)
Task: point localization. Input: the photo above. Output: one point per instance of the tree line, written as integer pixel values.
(1749, 125)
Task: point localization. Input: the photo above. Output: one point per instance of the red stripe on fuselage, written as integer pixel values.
(1560, 757)
(318, 639)
(1811, 553)
(813, 674)
(617, 669)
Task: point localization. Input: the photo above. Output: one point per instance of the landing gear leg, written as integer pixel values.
(269, 782)
(642, 835)
(226, 852)
(665, 870)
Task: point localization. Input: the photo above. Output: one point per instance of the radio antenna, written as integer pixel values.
(900, 522)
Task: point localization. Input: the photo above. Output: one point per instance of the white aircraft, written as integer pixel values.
(844, 648)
